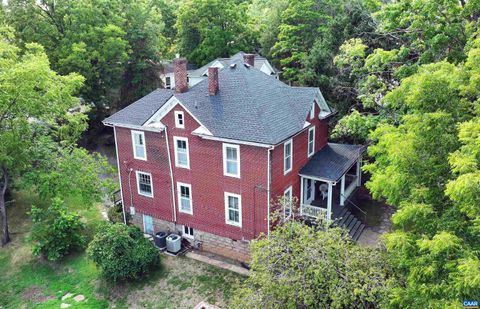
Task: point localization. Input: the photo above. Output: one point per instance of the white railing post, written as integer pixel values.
(342, 191)
(329, 201)
(359, 171)
(301, 190)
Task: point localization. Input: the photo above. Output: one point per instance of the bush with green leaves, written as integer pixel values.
(115, 214)
(122, 252)
(56, 232)
(299, 266)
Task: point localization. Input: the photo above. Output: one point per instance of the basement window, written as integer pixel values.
(187, 232)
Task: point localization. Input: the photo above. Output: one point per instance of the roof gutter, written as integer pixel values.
(160, 128)
(234, 141)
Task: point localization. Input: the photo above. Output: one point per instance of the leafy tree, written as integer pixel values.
(122, 252)
(355, 127)
(55, 231)
(40, 122)
(427, 166)
(310, 33)
(208, 29)
(114, 44)
(299, 266)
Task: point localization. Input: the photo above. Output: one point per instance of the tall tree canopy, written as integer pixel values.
(40, 121)
(208, 29)
(114, 44)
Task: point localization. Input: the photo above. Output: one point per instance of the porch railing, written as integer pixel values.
(313, 211)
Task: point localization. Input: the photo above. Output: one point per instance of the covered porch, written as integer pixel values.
(329, 179)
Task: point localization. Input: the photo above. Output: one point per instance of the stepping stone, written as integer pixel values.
(79, 298)
(68, 295)
(63, 305)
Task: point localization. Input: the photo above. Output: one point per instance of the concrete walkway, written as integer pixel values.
(217, 263)
(371, 235)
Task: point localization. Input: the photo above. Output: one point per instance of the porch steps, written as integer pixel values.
(350, 223)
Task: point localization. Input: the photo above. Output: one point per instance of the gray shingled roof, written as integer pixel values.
(332, 161)
(250, 106)
(141, 110)
(259, 61)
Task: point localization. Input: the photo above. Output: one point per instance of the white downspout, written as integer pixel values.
(171, 177)
(119, 176)
(268, 188)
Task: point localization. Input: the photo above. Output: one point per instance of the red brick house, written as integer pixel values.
(206, 161)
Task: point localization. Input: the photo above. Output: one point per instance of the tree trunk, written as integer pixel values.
(3, 208)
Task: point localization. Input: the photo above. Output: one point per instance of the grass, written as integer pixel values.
(29, 281)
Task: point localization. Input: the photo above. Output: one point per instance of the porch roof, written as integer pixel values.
(332, 161)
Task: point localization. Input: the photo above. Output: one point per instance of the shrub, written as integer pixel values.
(115, 214)
(55, 231)
(122, 252)
(299, 266)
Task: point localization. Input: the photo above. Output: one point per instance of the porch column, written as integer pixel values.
(359, 171)
(342, 191)
(301, 192)
(329, 201)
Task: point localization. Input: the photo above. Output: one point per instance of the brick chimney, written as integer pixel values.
(212, 81)
(249, 59)
(180, 74)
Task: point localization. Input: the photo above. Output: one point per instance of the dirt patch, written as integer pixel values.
(36, 295)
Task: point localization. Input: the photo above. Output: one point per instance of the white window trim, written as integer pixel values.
(144, 226)
(185, 235)
(312, 111)
(137, 173)
(144, 145)
(309, 154)
(237, 147)
(177, 124)
(177, 164)
(239, 223)
(179, 197)
(289, 142)
(289, 189)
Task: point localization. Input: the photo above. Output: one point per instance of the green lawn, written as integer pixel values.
(29, 281)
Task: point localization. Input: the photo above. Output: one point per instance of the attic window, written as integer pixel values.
(179, 120)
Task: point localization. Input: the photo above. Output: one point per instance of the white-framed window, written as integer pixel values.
(311, 141)
(312, 111)
(184, 192)
(233, 209)
(181, 152)
(231, 160)
(187, 232)
(144, 183)
(179, 119)
(138, 142)
(148, 224)
(287, 156)
(287, 209)
(168, 82)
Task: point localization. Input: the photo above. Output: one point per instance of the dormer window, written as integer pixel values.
(168, 82)
(179, 120)
(138, 142)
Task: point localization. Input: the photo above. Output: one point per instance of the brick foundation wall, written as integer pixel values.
(238, 250)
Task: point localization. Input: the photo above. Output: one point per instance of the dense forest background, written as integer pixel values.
(403, 75)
